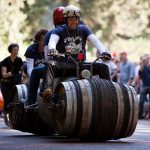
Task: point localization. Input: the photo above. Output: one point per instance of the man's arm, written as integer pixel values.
(53, 41)
(96, 43)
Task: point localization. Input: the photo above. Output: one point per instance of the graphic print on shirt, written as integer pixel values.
(74, 44)
(39, 62)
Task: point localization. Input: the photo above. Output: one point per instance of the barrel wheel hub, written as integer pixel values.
(16, 115)
(60, 109)
(58, 106)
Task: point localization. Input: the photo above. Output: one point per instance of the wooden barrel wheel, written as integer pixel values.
(97, 108)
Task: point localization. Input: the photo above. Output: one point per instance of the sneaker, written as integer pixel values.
(46, 94)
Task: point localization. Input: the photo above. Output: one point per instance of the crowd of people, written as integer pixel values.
(69, 36)
(136, 75)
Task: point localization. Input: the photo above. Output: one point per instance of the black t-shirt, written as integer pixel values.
(145, 76)
(13, 67)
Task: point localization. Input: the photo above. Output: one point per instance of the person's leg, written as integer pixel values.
(36, 74)
(48, 77)
(149, 94)
(142, 99)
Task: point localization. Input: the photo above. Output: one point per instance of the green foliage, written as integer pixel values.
(120, 24)
(11, 23)
(39, 15)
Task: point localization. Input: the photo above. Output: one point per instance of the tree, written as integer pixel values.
(120, 24)
(65, 2)
(11, 22)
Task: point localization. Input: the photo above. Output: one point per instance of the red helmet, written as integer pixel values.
(58, 16)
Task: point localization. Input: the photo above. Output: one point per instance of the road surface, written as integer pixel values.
(16, 140)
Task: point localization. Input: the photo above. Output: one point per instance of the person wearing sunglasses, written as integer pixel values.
(73, 36)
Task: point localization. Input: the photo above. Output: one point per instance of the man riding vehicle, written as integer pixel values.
(72, 37)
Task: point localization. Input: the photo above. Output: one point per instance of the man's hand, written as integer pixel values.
(106, 56)
(52, 52)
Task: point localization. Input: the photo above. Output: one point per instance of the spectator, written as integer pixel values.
(126, 69)
(113, 69)
(137, 81)
(144, 73)
(12, 69)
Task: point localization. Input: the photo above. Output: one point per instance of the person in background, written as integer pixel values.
(137, 81)
(144, 74)
(113, 69)
(12, 70)
(126, 68)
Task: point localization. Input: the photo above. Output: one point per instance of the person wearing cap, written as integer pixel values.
(126, 68)
(39, 72)
(73, 36)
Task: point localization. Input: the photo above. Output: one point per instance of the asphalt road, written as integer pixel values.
(16, 140)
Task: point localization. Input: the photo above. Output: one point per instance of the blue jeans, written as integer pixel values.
(36, 74)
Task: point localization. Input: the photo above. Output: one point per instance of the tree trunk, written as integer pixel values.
(65, 2)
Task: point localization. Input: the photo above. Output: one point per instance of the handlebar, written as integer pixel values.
(79, 56)
(68, 54)
(77, 62)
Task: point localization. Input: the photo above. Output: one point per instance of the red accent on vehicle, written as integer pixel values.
(80, 55)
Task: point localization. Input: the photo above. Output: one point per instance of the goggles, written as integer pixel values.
(73, 13)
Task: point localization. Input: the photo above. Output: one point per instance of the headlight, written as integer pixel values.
(86, 74)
